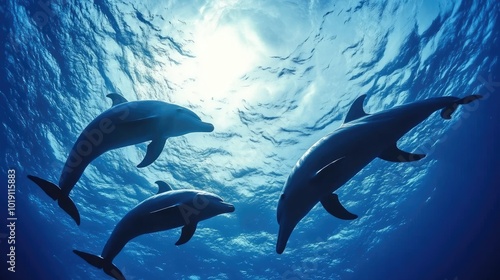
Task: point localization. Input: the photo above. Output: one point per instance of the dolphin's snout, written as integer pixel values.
(283, 236)
(280, 245)
(229, 208)
(207, 127)
(286, 228)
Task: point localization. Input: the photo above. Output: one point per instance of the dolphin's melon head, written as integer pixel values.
(209, 205)
(186, 121)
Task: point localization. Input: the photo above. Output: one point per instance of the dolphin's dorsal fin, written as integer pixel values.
(116, 98)
(163, 187)
(153, 151)
(186, 234)
(394, 154)
(332, 205)
(356, 111)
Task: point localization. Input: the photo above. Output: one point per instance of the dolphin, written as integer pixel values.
(166, 210)
(124, 124)
(336, 158)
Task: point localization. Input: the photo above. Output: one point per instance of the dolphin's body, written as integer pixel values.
(124, 124)
(166, 210)
(338, 156)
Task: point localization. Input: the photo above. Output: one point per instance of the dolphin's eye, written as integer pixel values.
(282, 196)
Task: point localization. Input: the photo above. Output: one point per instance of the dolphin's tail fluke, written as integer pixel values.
(69, 207)
(54, 192)
(97, 261)
(447, 111)
(49, 188)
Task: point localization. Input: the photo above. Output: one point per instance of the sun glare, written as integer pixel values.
(223, 54)
(222, 59)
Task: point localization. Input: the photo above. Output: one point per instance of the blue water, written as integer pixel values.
(273, 78)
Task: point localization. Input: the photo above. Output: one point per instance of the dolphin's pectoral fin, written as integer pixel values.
(153, 152)
(447, 111)
(116, 98)
(394, 154)
(356, 111)
(332, 205)
(186, 234)
(163, 187)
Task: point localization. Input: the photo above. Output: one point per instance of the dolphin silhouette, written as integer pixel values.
(166, 210)
(337, 157)
(124, 124)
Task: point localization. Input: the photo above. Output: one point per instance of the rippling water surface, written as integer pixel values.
(273, 77)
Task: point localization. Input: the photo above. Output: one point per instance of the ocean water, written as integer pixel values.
(273, 77)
